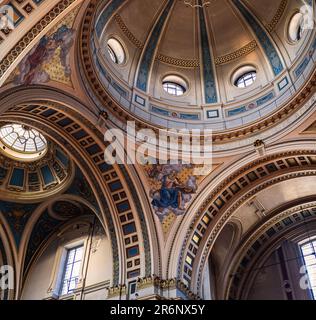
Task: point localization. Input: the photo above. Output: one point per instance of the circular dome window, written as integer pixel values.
(116, 51)
(22, 142)
(244, 77)
(175, 85)
(296, 27)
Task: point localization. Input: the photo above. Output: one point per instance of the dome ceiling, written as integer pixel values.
(22, 142)
(208, 48)
(35, 180)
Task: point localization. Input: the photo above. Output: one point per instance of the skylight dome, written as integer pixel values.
(22, 142)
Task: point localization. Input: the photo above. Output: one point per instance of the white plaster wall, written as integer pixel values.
(37, 283)
(97, 268)
(268, 284)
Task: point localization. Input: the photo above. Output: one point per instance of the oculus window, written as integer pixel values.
(175, 85)
(22, 142)
(246, 79)
(116, 51)
(296, 27)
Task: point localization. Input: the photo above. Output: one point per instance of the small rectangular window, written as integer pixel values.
(309, 254)
(71, 272)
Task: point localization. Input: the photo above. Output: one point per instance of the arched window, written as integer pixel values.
(174, 85)
(246, 79)
(296, 27)
(116, 51)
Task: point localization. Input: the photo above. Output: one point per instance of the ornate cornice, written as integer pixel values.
(187, 292)
(168, 284)
(156, 283)
(116, 291)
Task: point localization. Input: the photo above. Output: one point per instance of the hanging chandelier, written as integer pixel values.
(196, 3)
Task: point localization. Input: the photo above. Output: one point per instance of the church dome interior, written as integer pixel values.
(21, 142)
(105, 192)
(31, 167)
(211, 67)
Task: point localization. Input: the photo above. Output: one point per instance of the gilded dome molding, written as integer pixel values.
(130, 36)
(271, 26)
(185, 63)
(245, 50)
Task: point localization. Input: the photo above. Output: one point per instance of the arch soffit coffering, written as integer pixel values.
(223, 208)
(295, 221)
(119, 198)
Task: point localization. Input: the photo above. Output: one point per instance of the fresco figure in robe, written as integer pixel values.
(31, 69)
(172, 194)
